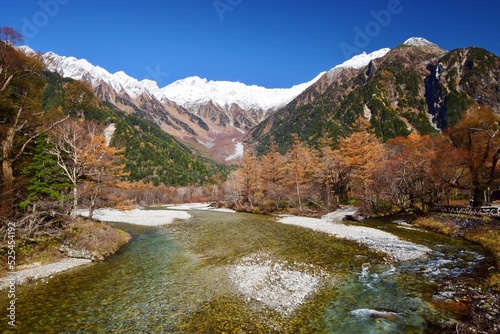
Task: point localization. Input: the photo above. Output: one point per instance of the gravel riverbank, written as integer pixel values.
(139, 217)
(279, 285)
(39, 271)
(395, 248)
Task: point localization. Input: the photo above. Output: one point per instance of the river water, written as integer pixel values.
(181, 279)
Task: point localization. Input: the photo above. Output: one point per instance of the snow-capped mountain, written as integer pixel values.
(363, 59)
(186, 92)
(213, 114)
(197, 91)
(418, 41)
(193, 92)
(81, 69)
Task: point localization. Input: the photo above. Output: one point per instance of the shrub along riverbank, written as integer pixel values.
(483, 302)
(76, 238)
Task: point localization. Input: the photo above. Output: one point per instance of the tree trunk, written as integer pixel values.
(74, 209)
(478, 197)
(7, 189)
(297, 183)
(91, 212)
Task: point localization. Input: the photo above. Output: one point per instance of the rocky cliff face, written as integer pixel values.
(457, 80)
(415, 87)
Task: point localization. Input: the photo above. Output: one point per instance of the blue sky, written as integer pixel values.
(275, 44)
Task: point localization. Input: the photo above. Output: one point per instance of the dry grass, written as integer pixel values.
(440, 226)
(100, 239)
(483, 231)
(490, 239)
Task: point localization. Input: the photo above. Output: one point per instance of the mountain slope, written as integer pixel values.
(416, 86)
(151, 154)
(211, 117)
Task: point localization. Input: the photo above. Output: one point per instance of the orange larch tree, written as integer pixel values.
(330, 174)
(248, 176)
(299, 167)
(361, 153)
(273, 165)
(475, 141)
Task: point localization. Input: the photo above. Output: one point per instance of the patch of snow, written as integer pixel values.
(238, 152)
(206, 144)
(418, 41)
(367, 112)
(431, 121)
(362, 60)
(109, 132)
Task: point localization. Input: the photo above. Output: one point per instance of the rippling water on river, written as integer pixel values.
(177, 279)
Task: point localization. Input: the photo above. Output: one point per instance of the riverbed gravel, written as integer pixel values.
(138, 216)
(40, 272)
(380, 241)
(279, 285)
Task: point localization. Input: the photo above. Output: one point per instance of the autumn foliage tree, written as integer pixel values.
(408, 178)
(475, 145)
(84, 157)
(299, 167)
(361, 153)
(20, 110)
(103, 168)
(249, 177)
(330, 174)
(272, 175)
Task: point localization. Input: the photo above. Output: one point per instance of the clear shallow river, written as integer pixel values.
(177, 279)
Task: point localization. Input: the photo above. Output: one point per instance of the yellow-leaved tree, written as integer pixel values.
(360, 154)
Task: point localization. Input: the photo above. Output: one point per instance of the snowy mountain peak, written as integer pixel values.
(195, 90)
(418, 41)
(363, 59)
(81, 69)
(186, 92)
(26, 49)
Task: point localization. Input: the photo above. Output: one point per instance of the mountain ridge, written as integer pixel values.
(210, 116)
(213, 117)
(415, 87)
(194, 89)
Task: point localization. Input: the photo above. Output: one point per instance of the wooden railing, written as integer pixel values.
(462, 210)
